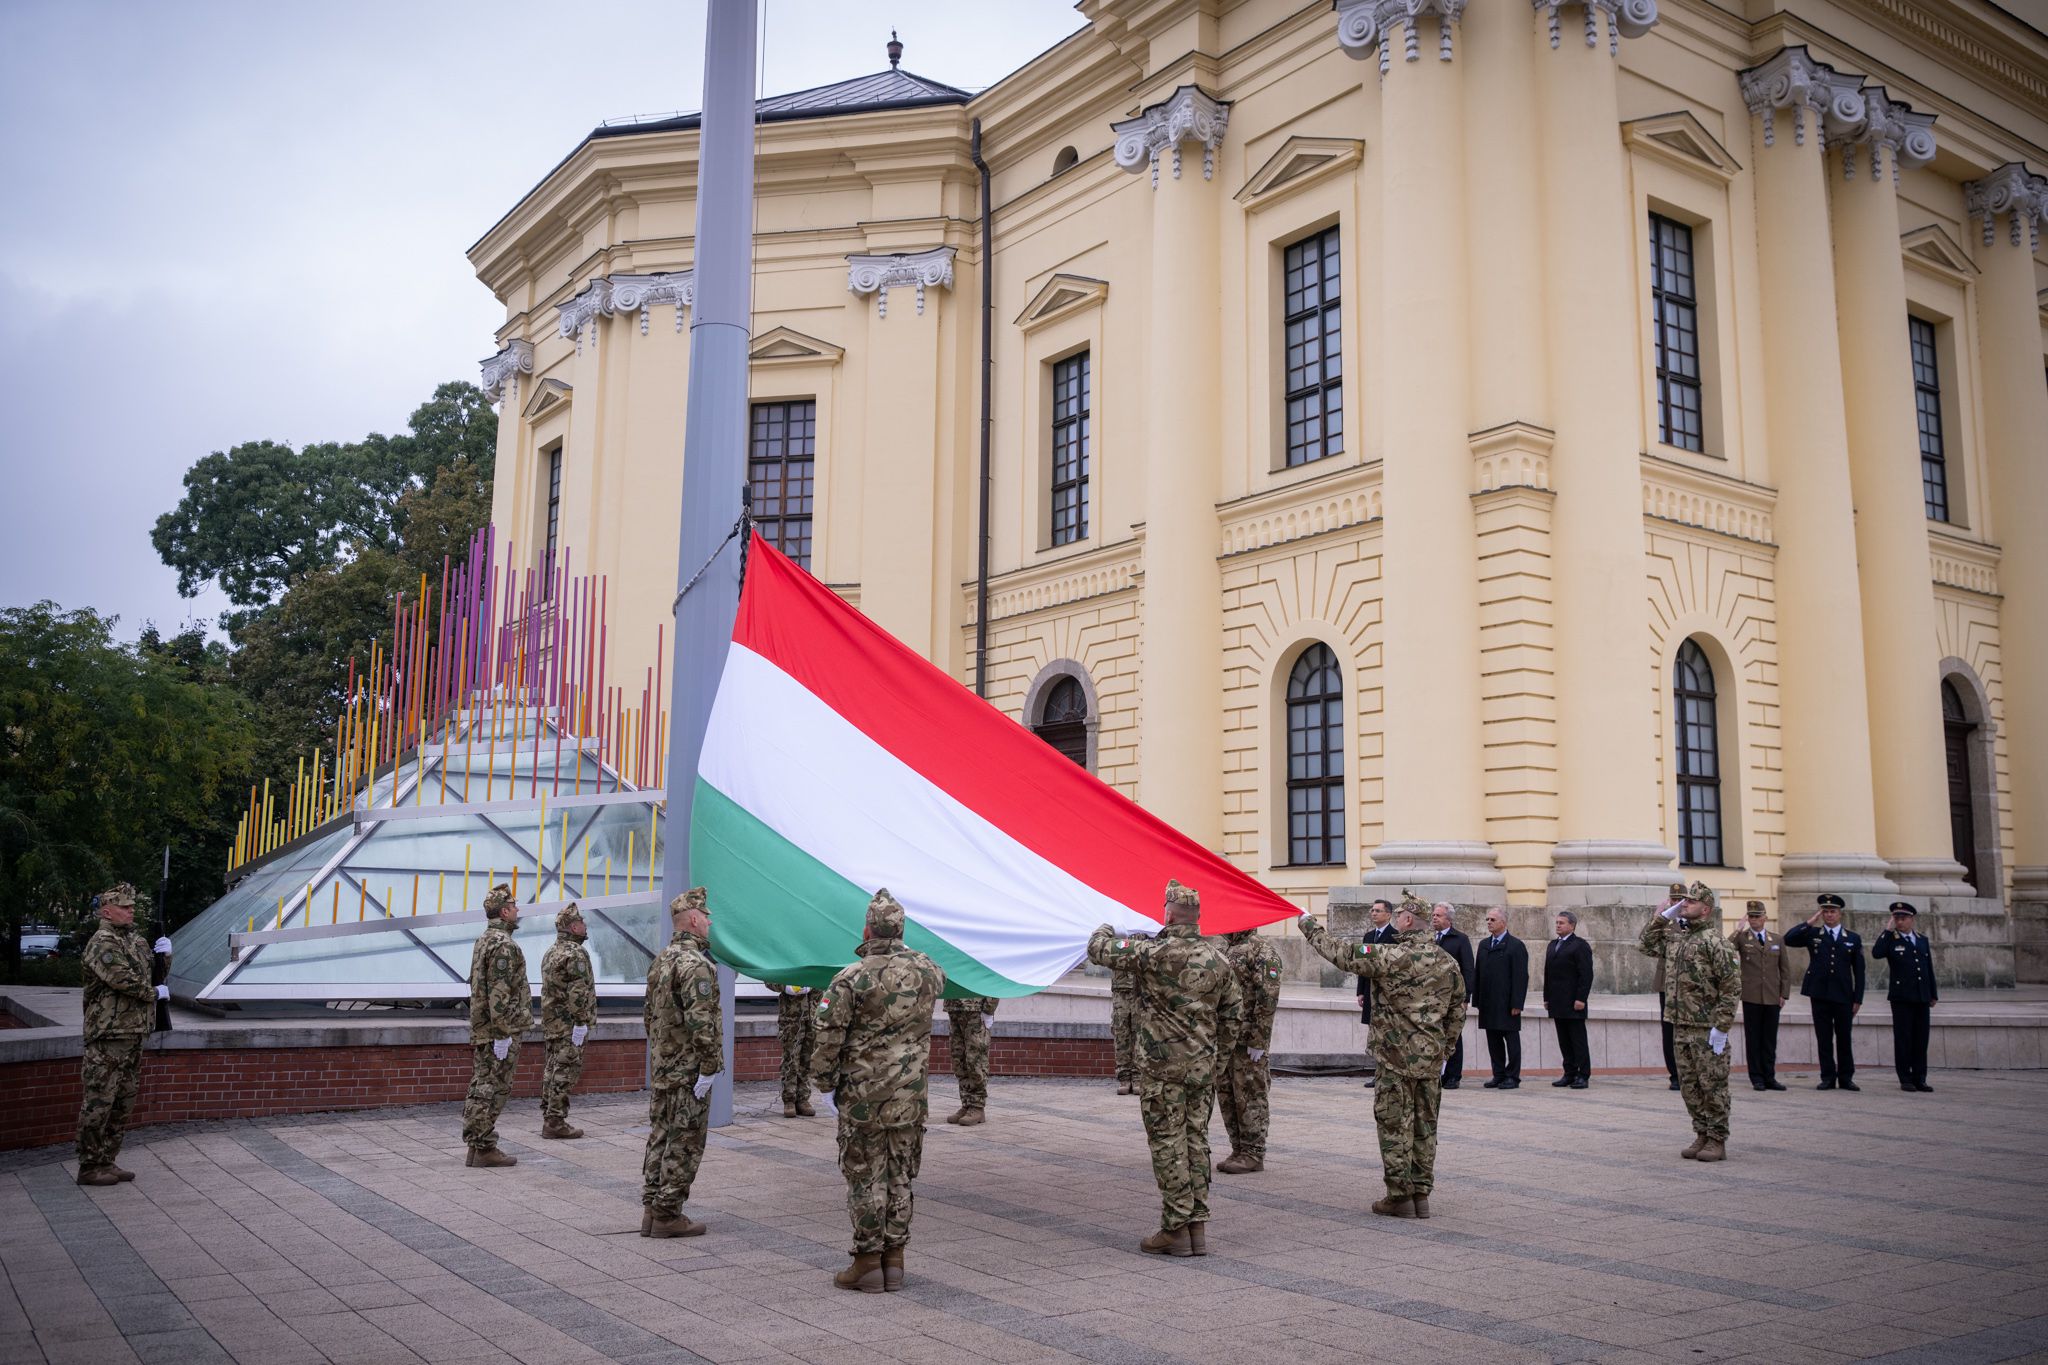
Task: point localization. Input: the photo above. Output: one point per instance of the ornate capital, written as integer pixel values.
(1625, 19)
(1189, 113)
(502, 371)
(1886, 125)
(1793, 80)
(2011, 189)
(1365, 25)
(878, 274)
(593, 301)
(642, 292)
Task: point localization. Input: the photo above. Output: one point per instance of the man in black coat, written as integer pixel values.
(1567, 984)
(1500, 986)
(1912, 993)
(1834, 987)
(1460, 948)
(1381, 913)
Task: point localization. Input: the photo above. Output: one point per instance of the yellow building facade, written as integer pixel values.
(1526, 454)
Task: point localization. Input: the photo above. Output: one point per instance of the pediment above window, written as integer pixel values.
(1932, 249)
(1062, 296)
(549, 397)
(1300, 162)
(787, 346)
(1678, 139)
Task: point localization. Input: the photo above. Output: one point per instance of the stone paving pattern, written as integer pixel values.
(1908, 1228)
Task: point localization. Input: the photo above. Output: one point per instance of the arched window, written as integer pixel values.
(1315, 759)
(1956, 728)
(1063, 720)
(1697, 733)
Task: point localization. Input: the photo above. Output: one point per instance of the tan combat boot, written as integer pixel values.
(122, 1173)
(1421, 1204)
(865, 1274)
(1198, 1239)
(1692, 1153)
(1237, 1163)
(1712, 1150)
(489, 1156)
(892, 1269)
(789, 1109)
(1394, 1206)
(559, 1128)
(97, 1175)
(679, 1224)
(966, 1117)
(804, 1110)
(646, 1221)
(1163, 1243)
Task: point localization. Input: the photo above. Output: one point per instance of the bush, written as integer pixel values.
(45, 971)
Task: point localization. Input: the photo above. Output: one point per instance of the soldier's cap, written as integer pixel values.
(1678, 891)
(1828, 900)
(885, 916)
(696, 898)
(497, 898)
(1754, 908)
(567, 916)
(1176, 894)
(1904, 908)
(1704, 894)
(121, 893)
(1414, 904)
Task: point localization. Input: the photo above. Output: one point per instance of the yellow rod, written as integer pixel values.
(415, 893)
(440, 890)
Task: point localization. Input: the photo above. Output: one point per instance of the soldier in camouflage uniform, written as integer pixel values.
(1702, 989)
(1189, 1013)
(796, 1026)
(120, 1009)
(1123, 1021)
(1245, 1076)
(500, 1010)
(686, 1030)
(874, 1047)
(1418, 1009)
(969, 1018)
(568, 1007)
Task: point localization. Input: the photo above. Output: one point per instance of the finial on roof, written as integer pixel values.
(895, 50)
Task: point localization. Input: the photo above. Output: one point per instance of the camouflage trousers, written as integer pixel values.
(1241, 1093)
(676, 1123)
(1703, 1081)
(796, 1024)
(564, 1068)
(969, 1046)
(1177, 1127)
(1123, 1030)
(879, 1164)
(490, 1085)
(1405, 1109)
(112, 1069)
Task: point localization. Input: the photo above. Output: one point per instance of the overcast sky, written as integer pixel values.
(229, 222)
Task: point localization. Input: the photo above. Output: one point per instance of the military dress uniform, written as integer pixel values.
(1912, 992)
(120, 1008)
(1245, 1078)
(873, 1055)
(796, 1029)
(568, 1007)
(1123, 1021)
(968, 1019)
(686, 1032)
(1834, 987)
(1766, 982)
(500, 1010)
(1702, 986)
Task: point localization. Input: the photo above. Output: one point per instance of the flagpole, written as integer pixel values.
(714, 443)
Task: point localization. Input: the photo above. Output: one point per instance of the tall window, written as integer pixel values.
(1674, 299)
(1927, 400)
(1699, 758)
(1315, 759)
(1315, 350)
(547, 571)
(1956, 729)
(1063, 720)
(781, 455)
(1070, 450)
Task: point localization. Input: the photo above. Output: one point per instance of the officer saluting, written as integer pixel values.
(1834, 986)
(1912, 993)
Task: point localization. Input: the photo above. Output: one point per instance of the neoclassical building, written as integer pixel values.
(1522, 453)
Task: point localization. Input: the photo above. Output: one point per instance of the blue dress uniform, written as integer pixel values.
(1834, 985)
(1912, 994)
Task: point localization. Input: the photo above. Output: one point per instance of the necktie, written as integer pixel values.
(1496, 940)
(1759, 936)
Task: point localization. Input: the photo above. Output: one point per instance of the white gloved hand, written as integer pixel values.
(1717, 1040)
(500, 1048)
(703, 1086)
(164, 946)
(163, 992)
(1670, 911)
(826, 1101)
(1255, 1053)
(578, 1033)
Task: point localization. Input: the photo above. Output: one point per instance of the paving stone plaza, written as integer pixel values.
(1869, 1226)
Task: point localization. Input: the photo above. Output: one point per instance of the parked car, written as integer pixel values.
(39, 945)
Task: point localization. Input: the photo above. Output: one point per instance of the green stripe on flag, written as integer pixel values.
(779, 914)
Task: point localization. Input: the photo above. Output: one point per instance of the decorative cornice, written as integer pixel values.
(1966, 564)
(501, 372)
(1925, 29)
(642, 292)
(1061, 582)
(1292, 511)
(1189, 113)
(1366, 25)
(1061, 296)
(2014, 190)
(593, 301)
(1679, 139)
(1300, 162)
(1692, 497)
(1792, 79)
(1511, 455)
(1886, 125)
(785, 346)
(1929, 248)
(877, 275)
(1625, 19)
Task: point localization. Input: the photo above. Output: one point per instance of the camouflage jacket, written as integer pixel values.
(684, 1023)
(1702, 972)
(971, 1004)
(120, 999)
(874, 1035)
(1122, 982)
(568, 991)
(1189, 1006)
(1257, 963)
(500, 1000)
(1418, 996)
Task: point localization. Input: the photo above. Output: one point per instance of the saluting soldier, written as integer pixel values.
(568, 1007)
(1833, 986)
(686, 1030)
(120, 1008)
(1766, 982)
(1911, 991)
(500, 1010)
(968, 1019)
(1702, 986)
(796, 1028)
(1246, 1079)
(1189, 1013)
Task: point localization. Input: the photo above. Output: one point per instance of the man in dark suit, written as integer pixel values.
(1834, 987)
(1381, 913)
(1500, 986)
(1912, 993)
(1567, 984)
(1460, 948)
(1766, 981)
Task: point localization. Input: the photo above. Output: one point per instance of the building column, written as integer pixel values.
(1908, 760)
(2016, 429)
(1609, 850)
(1824, 717)
(1180, 711)
(1432, 795)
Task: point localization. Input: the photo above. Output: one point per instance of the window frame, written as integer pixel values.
(1076, 422)
(1664, 296)
(1695, 710)
(1928, 407)
(1326, 311)
(1068, 736)
(551, 521)
(775, 526)
(1321, 713)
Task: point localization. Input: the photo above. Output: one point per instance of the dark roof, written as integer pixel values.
(891, 89)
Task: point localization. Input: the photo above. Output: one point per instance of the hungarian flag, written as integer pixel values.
(839, 761)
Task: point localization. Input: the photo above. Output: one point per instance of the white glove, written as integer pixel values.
(1255, 1053)
(578, 1033)
(825, 1099)
(500, 1048)
(1670, 911)
(1717, 1040)
(163, 992)
(703, 1086)
(164, 946)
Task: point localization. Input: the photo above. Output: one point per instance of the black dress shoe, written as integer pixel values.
(1774, 1084)
(1850, 1085)
(1908, 1087)
(1451, 1084)
(1924, 1088)
(1494, 1085)
(1560, 1083)
(1756, 1085)
(1674, 1082)
(1370, 1081)
(1578, 1082)
(1511, 1085)
(1825, 1085)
